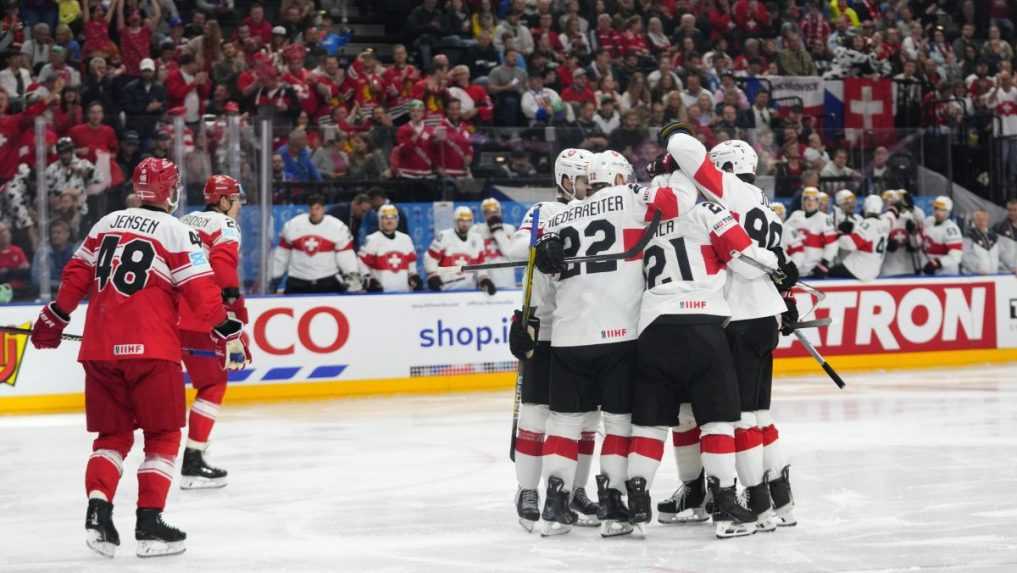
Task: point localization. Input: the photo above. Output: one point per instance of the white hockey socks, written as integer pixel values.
(587, 443)
(685, 438)
(530, 444)
(646, 449)
(749, 450)
(561, 448)
(614, 452)
(717, 445)
(773, 454)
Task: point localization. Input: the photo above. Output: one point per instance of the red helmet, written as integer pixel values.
(219, 186)
(157, 181)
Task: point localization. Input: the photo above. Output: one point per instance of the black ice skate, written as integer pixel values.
(757, 498)
(528, 508)
(640, 508)
(730, 519)
(557, 518)
(196, 474)
(687, 505)
(783, 502)
(613, 515)
(155, 537)
(100, 534)
(584, 508)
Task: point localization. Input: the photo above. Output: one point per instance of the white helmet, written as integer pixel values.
(873, 205)
(842, 196)
(736, 153)
(943, 202)
(607, 166)
(490, 205)
(463, 214)
(779, 209)
(571, 163)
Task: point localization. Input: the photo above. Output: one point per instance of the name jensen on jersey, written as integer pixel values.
(590, 209)
(135, 223)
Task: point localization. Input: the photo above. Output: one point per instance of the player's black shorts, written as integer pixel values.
(752, 343)
(328, 284)
(684, 362)
(584, 377)
(537, 376)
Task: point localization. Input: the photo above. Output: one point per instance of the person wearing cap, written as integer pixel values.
(144, 101)
(71, 174)
(411, 158)
(580, 90)
(136, 35)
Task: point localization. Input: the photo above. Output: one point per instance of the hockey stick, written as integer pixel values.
(819, 322)
(779, 275)
(28, 331)
(819, 358)
(527, 312)
(632, 252)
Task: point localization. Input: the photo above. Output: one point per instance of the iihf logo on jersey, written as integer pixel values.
(12, 350)
(613, 332)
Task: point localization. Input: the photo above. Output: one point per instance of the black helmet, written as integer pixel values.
(64, 144)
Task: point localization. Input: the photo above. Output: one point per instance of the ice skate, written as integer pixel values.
(196, 474)
(558, 520)
(783, 502)
(687, 505)
(100, 534)
(613, 515)
(155, 537)
(758, 501)
(640, 507)
(584, 508)
(528, 508)
(730, 518)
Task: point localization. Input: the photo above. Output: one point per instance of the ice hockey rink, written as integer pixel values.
(901, 471)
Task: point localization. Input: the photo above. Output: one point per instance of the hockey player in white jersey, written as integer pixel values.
(944, 244)
(824, 203)
(388, 260)
(844, 210)
(316, 253)
(534, 344)
(453, 247)
(727, 176)
(497, 238)
(864, 245)
(779, 210)
(683, 352)
(818, 236)
(593, 345)
(903, 248)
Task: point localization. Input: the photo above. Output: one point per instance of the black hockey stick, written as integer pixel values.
(819, 358)
(779, 275)
(531, 262)
(632, 252)
(28, 331)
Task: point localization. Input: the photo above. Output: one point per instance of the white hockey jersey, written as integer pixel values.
(311, 251)
(901, 261)
(449, 249)
(542, 297)
(389, 259)
(686, 265)
(839, 216)
(598, 302)
(943, 242)
(748, 298)
(818, 237)
(865, 247)
(981, 253)
(496, 248)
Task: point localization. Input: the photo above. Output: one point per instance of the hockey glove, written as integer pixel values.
(486, 285)
(892, 246)
(550, 254)
(662, 165)
(822, 269)
(434, 283)
(911, 226)
(787, 278)
(494, 223)
(846, 227)
(373, 285)
(354, 283)
(235, 303)
(238, 355)
(932, 266)
(671, 128)
(50, 325)
(227, 338)
(789, 317)
(522, 340)
(415, 283)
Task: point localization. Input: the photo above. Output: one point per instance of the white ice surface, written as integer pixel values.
(899, 472)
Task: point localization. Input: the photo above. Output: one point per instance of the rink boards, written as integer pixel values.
(333, 346)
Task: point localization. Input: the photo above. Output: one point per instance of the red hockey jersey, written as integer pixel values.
(220, 239)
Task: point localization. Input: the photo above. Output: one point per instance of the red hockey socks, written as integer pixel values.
(614, 453)
(773, 454)
(685, 438)
(203, 414)
(155, 475)
(646, 449)
(106, 464)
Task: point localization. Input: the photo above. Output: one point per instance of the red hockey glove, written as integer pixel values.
(50, 325)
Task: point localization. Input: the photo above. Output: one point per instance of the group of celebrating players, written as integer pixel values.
(679, 337)
(161, 290)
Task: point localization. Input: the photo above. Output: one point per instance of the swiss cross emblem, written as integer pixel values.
(1007, 108)
(311, 245)
(491, 248)
(394, 261)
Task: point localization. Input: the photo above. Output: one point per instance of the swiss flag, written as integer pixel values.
(868, 111)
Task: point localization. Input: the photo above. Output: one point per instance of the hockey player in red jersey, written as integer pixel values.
(726, 175)
(135, 267)
(217, 228)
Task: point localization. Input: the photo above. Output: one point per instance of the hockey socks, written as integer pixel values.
(204, 411)
(646, 449)
(106, 464)
(587, 444)
(530, 444)
(749, 450)
(773, 455)
(685, 439)
(717, 445)
(155, 475)
(561, 447)
(614, 453)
